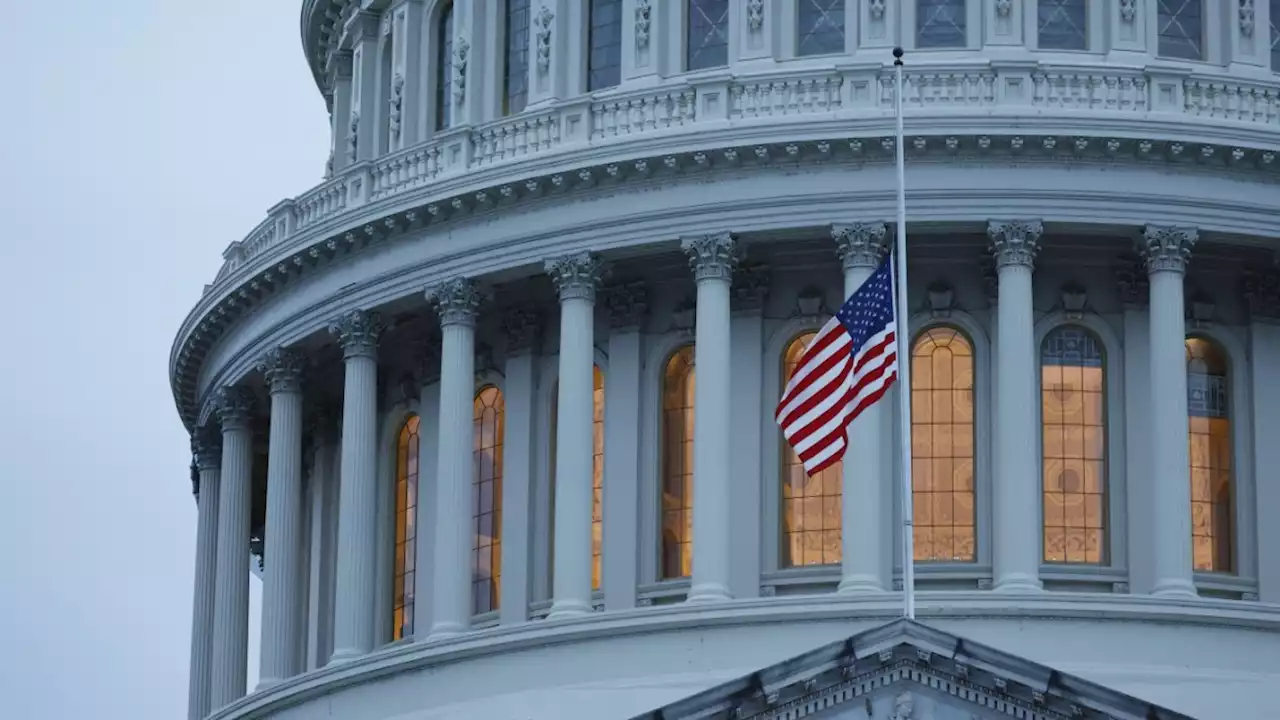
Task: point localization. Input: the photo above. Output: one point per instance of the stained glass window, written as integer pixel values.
(444, 63)
(1062, 25)
(677, 466)
(604, 44)
(597, 473)
(942, 446)
(406, 528)
(707, 34)
(515, 69)
(486, 546)
(820, 27)
(1074, 428)
(810, 505)
(1180, 28)
(1209, 446)
(941, 24)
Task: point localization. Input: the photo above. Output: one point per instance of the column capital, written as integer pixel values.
(234, 407)
(1167, 248)
(1014, 243)
(457, 301)
(283, 369)
(358, 332)
(860, 244)
(627, 304)
(576, 275)
(206, 446)
(712, 256)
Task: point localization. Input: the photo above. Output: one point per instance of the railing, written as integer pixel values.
(976, 89)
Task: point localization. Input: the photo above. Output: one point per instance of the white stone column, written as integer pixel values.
(712, 258)
(282, 587)
(523, 330)
(207, 448)
(407, 102)
(748, 293)
(619, 552)
(1264, 358)
(576, 278)
(362, 123)
(428, 436)
(457, 302)
(1167, 250)
(358, 333)
(231, 592)
(339, 72)
(1016, 526)
(866, 471)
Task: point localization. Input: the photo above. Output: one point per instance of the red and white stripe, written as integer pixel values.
(831, 386)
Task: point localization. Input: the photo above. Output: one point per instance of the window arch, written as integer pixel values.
(597, 472)
(604, 44)
(678, 379)
(1074, 446)
(515, 66)
(406, 528)
(444, 68)
(942, 445)
(811, 506)
(1209, 451)
(486, 565)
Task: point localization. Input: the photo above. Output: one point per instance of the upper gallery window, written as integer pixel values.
(604, 44)
(820, 27)
(1180, 28)
(486, 544)
(941, 24)
(1062, 25)
(597, 473)
(1275, 35)
(1074, 448)
(515, 69)
(706, 34)
(942, 446)
(1209, 446)
(676, 522)
(406, 528)
(444, 72)
(811, 506)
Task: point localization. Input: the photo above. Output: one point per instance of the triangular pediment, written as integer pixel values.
(909, 671)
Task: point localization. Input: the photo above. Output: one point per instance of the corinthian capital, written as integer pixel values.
(1014, 243)
(1167, 249)
(358, 333)
(860, 244)
(457, 300)
(712, 257)
(576, 276)
(206, 446)
(234, 407)
(283, 370)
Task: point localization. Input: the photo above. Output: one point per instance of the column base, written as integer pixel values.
(345, 655)
(1175, 589)
(1015, 583)
(445, 631)
(709, 593)
(565, 609)
(266, 684)
(859, 585)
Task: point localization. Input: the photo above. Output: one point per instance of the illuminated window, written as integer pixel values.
(942, 430)
(444, 63)
(604, 44)
(486, 562)
(941, 24)
(820, 27)
(515, 68)
(1074, 428)
(1062, 25)
(1209, 440)
(406, 528)
(597, 474)
(706, 34)
(677, 465)
(1180, 28)
(810, 505)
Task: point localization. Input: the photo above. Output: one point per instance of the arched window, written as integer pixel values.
(810, 505)
(515, 67)
(1062, 25)
(597, 473)
(1074, 429)
(942, 432)
(677, 465)
(486, 563)
(406, 528)
(820, 27)
(604, 44)
(444, 68)
(706, 34)
(1209, 439)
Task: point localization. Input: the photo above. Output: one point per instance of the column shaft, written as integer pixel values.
(231, 606)
(203, 595)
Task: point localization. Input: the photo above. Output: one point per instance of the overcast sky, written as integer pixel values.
(138, 138)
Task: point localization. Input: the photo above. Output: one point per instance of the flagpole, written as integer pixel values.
(903, 334)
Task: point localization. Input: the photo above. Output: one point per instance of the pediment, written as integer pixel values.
(909, 671)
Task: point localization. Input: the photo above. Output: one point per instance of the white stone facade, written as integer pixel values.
(521, 186)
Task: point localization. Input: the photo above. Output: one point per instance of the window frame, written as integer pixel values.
(1210, 26)
(587, 38)
(484, 381)
(973, 27)
(1095, 15)
(686, 27)
(793, 30)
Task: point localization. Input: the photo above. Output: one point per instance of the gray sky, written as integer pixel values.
(138, 138)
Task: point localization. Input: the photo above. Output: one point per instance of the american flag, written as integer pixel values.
(849, 365)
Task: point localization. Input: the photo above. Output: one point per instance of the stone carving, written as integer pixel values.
(353, 136)
(627, 305)
(283, 369)
(1004, 7)
(358, 332)
(749, 288)
(1262, 294)
(206, 447)
(460, 50)
(877, 9)
(1246, 18)
(457, 300)
(712, 256)
(1014, 242)
(576, 276)
(1167, 249)
(1128, 10)
(397, 99)
(860, 244)
(523, 329)
(642, 23)
(234, 407)
(904, 707)
(941, 300)
(1074, 299)
(426, 351)
(545, 16)
(755, 14)
(1132, 283)
(328, 165)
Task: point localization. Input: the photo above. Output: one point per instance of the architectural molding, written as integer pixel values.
(358, 333)
(712, 256)
(1015, 242)
(283, 368)
(234, 407)
(1167, 248)
(749, 288)
(523, 330)
(860, 244)
(456, 301)
(627, 305)
(576, 276)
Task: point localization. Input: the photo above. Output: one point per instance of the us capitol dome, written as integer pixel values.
(490, 409)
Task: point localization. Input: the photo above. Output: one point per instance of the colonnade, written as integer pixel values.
(220, 614)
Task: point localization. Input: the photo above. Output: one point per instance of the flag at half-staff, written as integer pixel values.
(846, 368)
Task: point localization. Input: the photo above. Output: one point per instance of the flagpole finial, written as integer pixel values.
(897, 56)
